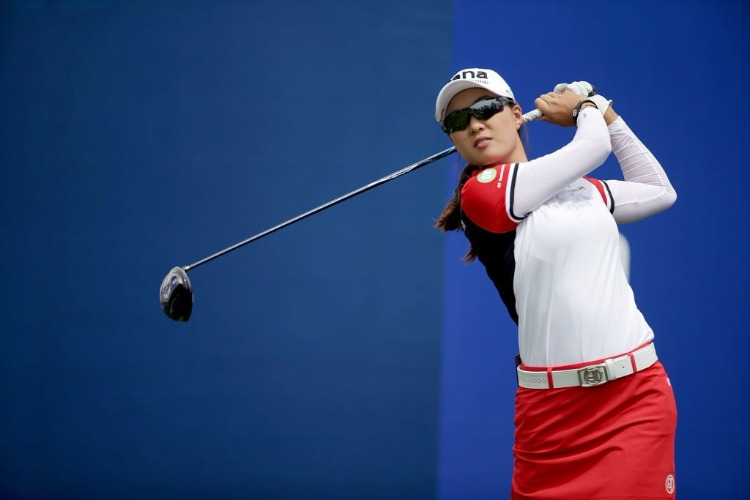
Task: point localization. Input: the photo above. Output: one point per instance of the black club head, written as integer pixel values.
(176, 295)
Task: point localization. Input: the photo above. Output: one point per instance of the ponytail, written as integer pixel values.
(450, 218)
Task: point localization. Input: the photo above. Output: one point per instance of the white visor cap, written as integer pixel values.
(469, 78)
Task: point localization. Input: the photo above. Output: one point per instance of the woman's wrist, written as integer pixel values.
(610, 116)
(582, 104)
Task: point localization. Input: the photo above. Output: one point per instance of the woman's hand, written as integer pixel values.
(587, 90)
(558, 108)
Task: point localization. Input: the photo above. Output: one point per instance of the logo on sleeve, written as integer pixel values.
(487, 175)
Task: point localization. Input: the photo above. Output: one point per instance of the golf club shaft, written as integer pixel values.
(530, 116)
(329, 204)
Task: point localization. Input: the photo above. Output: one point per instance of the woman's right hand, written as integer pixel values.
(558, 108)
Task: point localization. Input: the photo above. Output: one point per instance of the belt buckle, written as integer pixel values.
(594, 375)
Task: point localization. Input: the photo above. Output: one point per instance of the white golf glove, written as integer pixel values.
(588, 90)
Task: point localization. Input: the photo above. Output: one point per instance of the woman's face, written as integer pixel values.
(488, 142)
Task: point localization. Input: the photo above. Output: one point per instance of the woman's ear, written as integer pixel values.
(518, 115)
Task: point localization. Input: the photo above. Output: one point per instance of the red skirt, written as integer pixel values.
(614, 441)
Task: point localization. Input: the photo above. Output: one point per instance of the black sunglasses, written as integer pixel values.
(483, 109)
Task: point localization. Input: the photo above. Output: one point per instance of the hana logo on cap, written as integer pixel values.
(470, 78)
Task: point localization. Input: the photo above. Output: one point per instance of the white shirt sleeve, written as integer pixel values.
(542, 178)
(646, 189)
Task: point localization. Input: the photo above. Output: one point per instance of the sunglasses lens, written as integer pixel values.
(485, 110)
(458, 120)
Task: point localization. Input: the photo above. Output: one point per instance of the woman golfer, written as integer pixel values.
(595, 414)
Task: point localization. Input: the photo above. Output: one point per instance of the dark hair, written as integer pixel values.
(450, 218)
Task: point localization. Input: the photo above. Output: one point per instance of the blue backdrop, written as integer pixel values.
(352, 355)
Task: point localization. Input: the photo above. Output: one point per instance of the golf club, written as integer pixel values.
(176, 292)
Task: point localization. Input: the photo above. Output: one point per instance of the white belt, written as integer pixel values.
(591, 375)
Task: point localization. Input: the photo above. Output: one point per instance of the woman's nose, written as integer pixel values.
(475, 124)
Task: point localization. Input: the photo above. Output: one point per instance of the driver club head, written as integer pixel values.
(176, 295)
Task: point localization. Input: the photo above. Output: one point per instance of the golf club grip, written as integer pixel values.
(528, 117)
(531, 115)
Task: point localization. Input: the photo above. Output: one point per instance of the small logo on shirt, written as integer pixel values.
(669, 484)
(487, 175)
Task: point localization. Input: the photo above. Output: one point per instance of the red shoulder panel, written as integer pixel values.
(485, 199)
